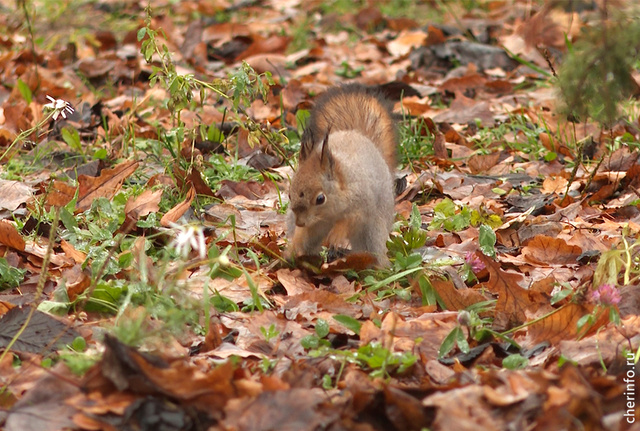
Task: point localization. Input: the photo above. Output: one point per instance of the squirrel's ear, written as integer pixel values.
(306, 144)
(326, 159)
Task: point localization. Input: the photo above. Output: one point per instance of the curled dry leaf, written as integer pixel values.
(545, 250)
(177, 211)
(10, 236)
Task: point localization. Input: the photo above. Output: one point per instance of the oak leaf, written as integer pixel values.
(545, 250)
(513, 300)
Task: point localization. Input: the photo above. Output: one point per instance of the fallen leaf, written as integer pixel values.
(76, 281)
(177, 211)
(563, 324)
(41, 408)
(144, 204)
(10, 236)
(546, 250)
(106, 185)
(456, 299)
(513, 300)
(43, 333)
(13, 194)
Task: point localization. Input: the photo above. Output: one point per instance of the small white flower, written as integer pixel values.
(59, 106)
(189, 238)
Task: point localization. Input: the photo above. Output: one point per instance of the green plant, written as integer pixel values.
(597, 73)
(454, 218)
(515, 362)
(476, 327)
(10, 276)
(374, 358)
(301, 33)
(411, 236)
(416, 141)
(319, 339)
(269, 333)
(347, 71)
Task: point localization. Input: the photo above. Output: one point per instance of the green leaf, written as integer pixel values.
(25, 91)
(100, 154)
(67, 218)
(322, 328)
(498, 191)
(461, 341)
(10, 276)
(71, 136)
(348, 322)
(515, 362)
(79, 344)
(302, 116)
(415, 220)
(487, 239)
(587, 318)
(561, 295)
(448, 343)
(310, 342)
(446, 207)
(142, 33)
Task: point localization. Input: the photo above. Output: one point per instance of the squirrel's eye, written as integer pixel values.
(320, 199)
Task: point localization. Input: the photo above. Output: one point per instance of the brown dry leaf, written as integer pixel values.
(106, 185)
(514, 387)
(562, 325)
(10, 236)
(464, 110)
(294, 281)
(40, 250)
(405, 410)
(439, 149)
(406, 41)
(195, 178)
(295, 409)
(13, 194)
(70, 251)
(293, 94)
(324, 300)
(456, 299)
(513, 300)
(127, 369)
(76, 281)
(463, 83)
(354, 261)
(545, 250)
(249, 189)
(60, 193)
(42, 408)
(146, 203)
(463, 409)
(554, 184)
(177, 211)
(480, 163)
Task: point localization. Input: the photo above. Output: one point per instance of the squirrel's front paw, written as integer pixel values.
(288, 254)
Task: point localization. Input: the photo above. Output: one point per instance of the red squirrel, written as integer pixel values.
(343, 187)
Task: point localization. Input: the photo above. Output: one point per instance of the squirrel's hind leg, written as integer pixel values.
(370, 238)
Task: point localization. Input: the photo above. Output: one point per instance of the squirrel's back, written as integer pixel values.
(353, 107)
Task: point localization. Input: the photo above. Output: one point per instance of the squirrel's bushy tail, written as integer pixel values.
(353, 107)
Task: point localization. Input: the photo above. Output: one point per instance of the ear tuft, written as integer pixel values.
(306, 144)
(326, 159)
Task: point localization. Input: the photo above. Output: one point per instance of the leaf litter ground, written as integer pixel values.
(508, 327)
